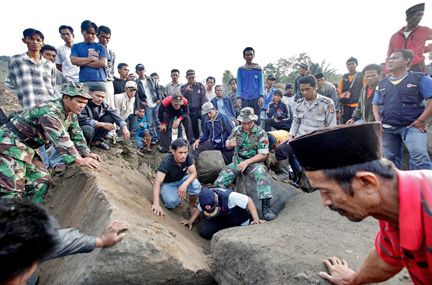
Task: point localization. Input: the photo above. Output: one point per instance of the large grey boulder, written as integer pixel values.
(209, 164)
(291, 248)
(281, 192)
(156, 250)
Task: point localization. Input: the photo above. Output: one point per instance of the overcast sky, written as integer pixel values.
(209, 36)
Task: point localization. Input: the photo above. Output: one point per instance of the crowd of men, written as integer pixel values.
(72, 101)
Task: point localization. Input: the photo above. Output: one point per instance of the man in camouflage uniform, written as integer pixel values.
(22, 171)
(251, 149)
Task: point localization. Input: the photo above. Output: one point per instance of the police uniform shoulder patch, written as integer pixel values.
(331, 108)
(300, 100)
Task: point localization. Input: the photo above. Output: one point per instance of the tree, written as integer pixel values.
(286, 70)
(225, 81)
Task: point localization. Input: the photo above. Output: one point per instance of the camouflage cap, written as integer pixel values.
(247, 115)
(74, 89)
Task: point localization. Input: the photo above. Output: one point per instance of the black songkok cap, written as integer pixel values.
(338, 146)
(319, 75)
(415, 8)
(352, 59)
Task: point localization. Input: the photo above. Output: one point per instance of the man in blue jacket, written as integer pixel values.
(217, 128)
(223, 104)
(279, 115)
(268, 96)
(250, 88)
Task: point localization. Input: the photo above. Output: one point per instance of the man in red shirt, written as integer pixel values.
(412, 37)
(360, 183)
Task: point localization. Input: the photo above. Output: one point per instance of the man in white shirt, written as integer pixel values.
(63, 62)
(174, 86)
(124, 103)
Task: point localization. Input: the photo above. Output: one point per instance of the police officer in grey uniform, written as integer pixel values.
(312, 112)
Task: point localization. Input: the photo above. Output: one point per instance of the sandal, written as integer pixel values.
(103, 145)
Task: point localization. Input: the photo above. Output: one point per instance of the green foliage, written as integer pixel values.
(225, 81)
(286, 70)
(3, 67)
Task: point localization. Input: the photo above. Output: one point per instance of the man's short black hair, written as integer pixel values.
(248, 49)
(344, 175)
(219, 86)
(87, 24)
(406, 53)
(104, 29)
(175, 70)
(181, 142)
(48, 47)
(28, 33)
(372, 67)
(211, 77)
(121, 64)
(308, 79)
(28, 234)
(66, 27)
(233, 79)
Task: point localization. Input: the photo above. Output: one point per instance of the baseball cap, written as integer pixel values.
(139, 66)
(208, 203)
(271, 77)
(177, 99)
(190, 73)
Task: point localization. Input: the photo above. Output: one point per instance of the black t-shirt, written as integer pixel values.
(173, 171)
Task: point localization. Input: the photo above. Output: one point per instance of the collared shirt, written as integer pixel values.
(410, 243)
(45, 122)
(172, 89)
(310, 117)
(250, 144)
(32, 82)
(221, 107)
(197, 97)
(124, 105)
(173, 171)
(210, 95)
(233, 97)
(329, 91)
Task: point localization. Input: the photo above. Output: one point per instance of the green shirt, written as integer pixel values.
(250, 144)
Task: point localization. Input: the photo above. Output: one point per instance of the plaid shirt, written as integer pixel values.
(32, 83)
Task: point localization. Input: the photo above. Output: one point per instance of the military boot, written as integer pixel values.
(284, 168)
(267, 214)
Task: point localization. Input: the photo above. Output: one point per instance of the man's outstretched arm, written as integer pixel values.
(373, 270)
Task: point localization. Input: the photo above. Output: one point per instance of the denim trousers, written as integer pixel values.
(169, 191)
(414, 140)
(153, 122)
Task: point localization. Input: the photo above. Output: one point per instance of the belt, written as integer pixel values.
(25, 140)
(351, 105)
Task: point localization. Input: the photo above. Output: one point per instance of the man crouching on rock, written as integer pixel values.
(172, 180)
(223, 209)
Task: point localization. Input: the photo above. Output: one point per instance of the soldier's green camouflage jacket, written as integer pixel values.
(45, 122)
(250, 144)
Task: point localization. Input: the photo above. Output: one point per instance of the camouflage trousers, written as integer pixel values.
(21, 179)
(257, 171)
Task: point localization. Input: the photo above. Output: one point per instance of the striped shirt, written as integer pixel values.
(410, 244)
(32, 82)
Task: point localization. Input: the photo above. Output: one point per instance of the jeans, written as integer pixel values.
(253, 103)
(54, 158)
(153, 122)
(414, 140)
(170, 196)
